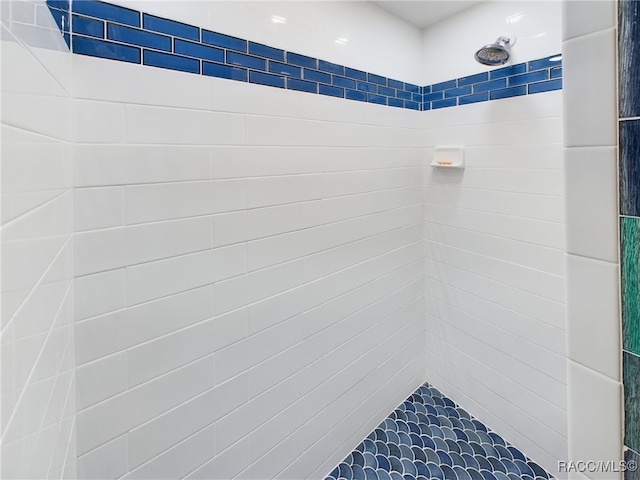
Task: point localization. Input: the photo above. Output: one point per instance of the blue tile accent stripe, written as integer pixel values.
(170, 27)
(430, 437)
(224, 41)
(107, 11)
(139, 38)
(101, 29)
(88, 26)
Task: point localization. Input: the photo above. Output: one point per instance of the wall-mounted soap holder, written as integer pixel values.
(448, 157)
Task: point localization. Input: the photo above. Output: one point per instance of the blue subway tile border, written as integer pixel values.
(508, 92)
(59, 4)
(355, 74)
(302, 60)
(197, 50)
(523, 79)
(331, 91)
(475, 98)
(61, 17)
(356, 95)
(330, 67)
(100, 48)
(170, 61)
(170, 27)
(107, 11)
(508, 71)
(379, 99)
(224, 41)
(397, 84)
(137, 37)
(438, 87)
(409, 87)
(367, 87)
(403, 94)
(491, 85)
(458, 92)
(471, 79)
(108, 31)
(302, 85)
(448, 102)
(543, 63)
(344, 82)
(88, 26)
(248, 61)
(266, 79)
(386, 91)
(266, 51)
(285, 69)
(546, 86)
(224, 71)
(435, 96)
(316, 76)
(377, 79)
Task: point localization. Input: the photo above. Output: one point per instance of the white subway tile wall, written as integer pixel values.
(37, 364)
(244, 297)
(494, 246)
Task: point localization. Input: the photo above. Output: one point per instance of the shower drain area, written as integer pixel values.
(430, 437)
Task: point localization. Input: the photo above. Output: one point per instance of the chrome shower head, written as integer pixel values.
(495, 53)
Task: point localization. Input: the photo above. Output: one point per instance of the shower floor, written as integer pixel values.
(430, 437)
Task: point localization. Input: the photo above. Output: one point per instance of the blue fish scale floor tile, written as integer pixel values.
(429, 437)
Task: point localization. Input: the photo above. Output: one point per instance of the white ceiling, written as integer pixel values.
(425, 12)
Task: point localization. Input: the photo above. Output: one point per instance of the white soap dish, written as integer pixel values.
(448, 157)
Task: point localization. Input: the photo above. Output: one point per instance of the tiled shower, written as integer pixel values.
(226, 254)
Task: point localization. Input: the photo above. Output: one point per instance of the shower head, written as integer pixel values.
(495, 53)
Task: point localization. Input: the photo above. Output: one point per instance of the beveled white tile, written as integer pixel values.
(590, 120)
(584, 17)
(591, 202)
(593, 326)
(594, 426)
